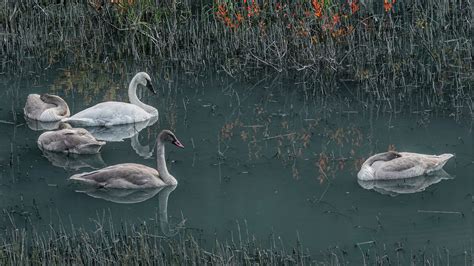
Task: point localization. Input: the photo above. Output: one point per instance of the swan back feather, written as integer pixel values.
(399, 165)
(69, 140)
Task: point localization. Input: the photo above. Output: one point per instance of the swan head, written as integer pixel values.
(144, 79)
(49, 98)
(392, 155)
(168, 136)
(63, 125)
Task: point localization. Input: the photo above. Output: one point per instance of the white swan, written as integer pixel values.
(134, 176)
(45, 108)
(399, 165)
(69, 140)
(118, 113)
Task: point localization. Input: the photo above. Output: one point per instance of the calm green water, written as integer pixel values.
(259, 156)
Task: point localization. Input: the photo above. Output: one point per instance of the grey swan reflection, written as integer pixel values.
(411, 185)
(131, 196)
(118, 113)
(41, 126)
(74, 161)
(400, 165)
(132, 175)
(46, 108)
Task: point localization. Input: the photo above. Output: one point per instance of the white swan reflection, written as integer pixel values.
(131, 196)
(127, 131)
(405, 186)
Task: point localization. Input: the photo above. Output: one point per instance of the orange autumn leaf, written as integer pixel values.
(336, 19)
(354, 6)
(223, 14)
(239, 17)
(388, 5)
(221, 10)
(318, 8)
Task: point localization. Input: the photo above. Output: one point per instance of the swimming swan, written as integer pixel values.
(134, 176)
(46, 108)
(69, 140)
(118, 113)
(398, 165)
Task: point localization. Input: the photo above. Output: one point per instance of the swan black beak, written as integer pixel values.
(150, 87)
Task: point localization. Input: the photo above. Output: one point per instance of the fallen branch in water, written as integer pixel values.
(441, 212)
(6, 122)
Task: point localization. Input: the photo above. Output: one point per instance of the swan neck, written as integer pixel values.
(161, 164)
(62, 109)
(378, 157)
(132, 95)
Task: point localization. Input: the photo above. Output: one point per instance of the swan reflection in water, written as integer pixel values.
(131, 196)
(405, 186)
(127, 131)
(40, 126)
(74, 161)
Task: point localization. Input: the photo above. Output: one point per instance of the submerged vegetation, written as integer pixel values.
(394, 51)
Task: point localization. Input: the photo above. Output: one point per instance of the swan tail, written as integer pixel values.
(91, 148)
(443, 159)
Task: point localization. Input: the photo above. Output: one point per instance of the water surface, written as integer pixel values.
(260, 156)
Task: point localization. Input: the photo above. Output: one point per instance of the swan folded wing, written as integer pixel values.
(70, 141)
(79, 140)
(121, 176)
(399, 168)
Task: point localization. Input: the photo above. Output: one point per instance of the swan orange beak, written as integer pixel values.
(178, 144)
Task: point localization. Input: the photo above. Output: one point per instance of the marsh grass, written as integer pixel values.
(418, 52)
(133, 244)
(107, 243)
